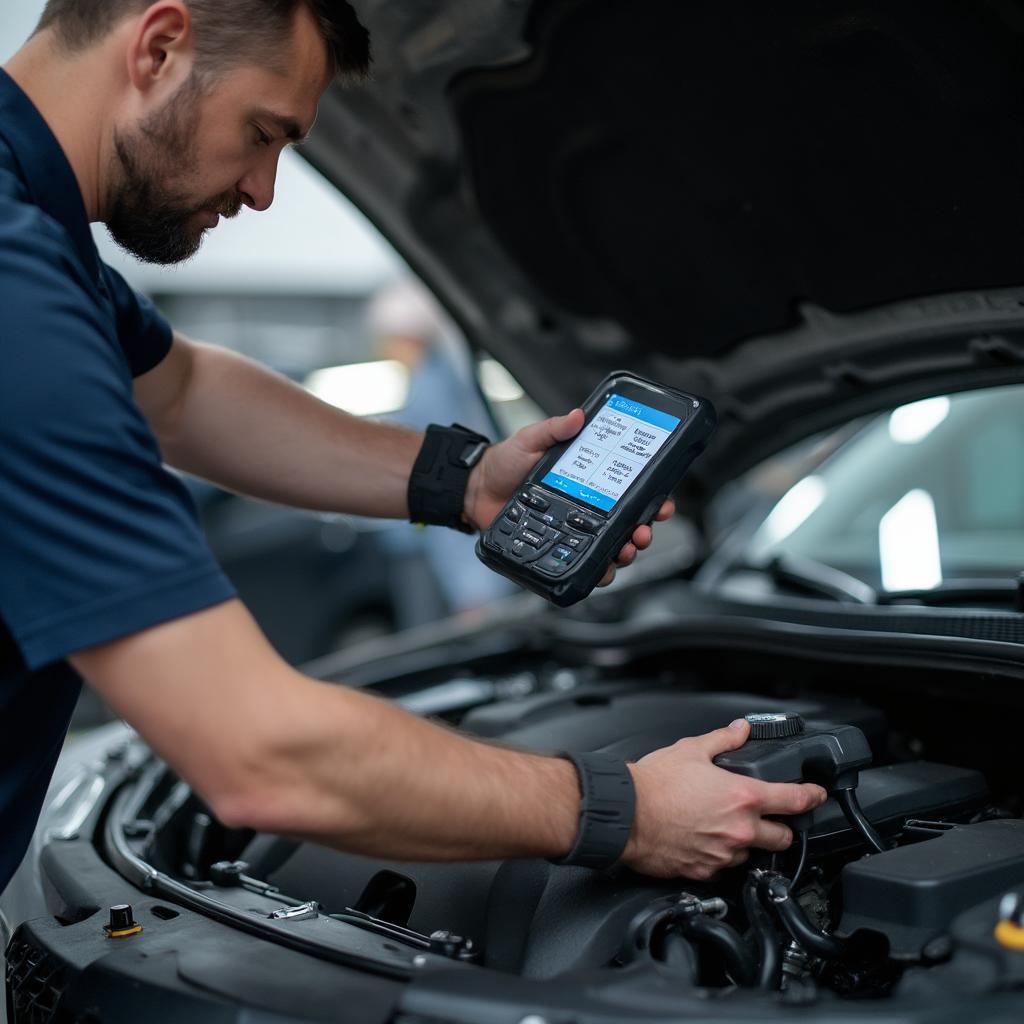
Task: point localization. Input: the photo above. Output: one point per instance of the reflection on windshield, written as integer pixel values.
(931, 492)
(908, 544)
(912, 423)
(796, 505)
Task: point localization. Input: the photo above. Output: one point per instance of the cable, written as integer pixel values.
(803, 858)
(812, 938)
(765, 936)
(847, 800)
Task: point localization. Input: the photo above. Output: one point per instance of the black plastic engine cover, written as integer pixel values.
(912, 894)
(891, 794)
(532, 917)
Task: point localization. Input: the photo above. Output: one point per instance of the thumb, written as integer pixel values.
(734, 735)
(538, 437)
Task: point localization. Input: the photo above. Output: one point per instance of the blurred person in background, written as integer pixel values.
(407, 325)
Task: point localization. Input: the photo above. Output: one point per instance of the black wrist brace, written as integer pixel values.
(606, 810)
(437, 484)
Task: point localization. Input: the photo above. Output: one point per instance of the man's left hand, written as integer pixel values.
(504, 466)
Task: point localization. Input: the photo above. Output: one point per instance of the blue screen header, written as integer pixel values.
(631, 407)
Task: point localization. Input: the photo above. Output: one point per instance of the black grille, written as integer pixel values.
(35, 983)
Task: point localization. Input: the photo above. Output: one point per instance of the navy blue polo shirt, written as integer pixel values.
(97, 539)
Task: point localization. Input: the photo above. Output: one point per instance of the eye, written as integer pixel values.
(262, 138)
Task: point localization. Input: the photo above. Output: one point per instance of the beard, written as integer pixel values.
(150, 212)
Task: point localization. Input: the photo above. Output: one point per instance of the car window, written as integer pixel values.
(929, 492)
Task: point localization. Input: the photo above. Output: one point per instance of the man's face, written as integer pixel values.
(207, 152)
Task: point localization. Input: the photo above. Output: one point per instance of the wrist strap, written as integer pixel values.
(437, 484)
(606, 810)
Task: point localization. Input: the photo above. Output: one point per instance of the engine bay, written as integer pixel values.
(854, 909)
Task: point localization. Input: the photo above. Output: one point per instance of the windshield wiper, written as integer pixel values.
(822, 580)
(957, 591)
(819, 579)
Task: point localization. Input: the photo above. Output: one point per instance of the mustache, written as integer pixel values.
(226, 206)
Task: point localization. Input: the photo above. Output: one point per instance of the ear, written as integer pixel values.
(160, 47)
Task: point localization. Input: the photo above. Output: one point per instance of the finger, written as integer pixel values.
(732, 736)
(667, 510)
(772, 835)
(738, 858)
(790, 797)
(642, 537)
(538, 437)
(607, 577)
(626, 555)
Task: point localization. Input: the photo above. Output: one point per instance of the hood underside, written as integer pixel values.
(805, 212)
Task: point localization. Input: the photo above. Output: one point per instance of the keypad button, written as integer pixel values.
(550, 566)
(574, 541)
(562, 553)
(582, 522)
(535, 540)
(514, 512)
(534, 500)
(519, 547)
(549, 520)
(505, 525)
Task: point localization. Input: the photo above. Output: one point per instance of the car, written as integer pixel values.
(809, 214)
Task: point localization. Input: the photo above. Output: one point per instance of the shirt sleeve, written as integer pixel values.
(145, 336)
(97, 538)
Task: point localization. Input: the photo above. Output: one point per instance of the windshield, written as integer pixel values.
(930, 492)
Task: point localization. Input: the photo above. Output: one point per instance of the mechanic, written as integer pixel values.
(157, 118)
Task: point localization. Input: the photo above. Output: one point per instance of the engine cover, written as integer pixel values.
(912, 894)
(532, 917)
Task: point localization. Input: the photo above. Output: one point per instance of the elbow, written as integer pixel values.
(285, 777)
(239, 792)
(255, 803)
(283, 807)
(236, 809)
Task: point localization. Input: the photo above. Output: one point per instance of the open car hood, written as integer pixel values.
(805, 212)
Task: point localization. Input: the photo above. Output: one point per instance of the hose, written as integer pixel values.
(769, 956)
(812, 938)
(728, 942)
(680, 955)
(847, 800)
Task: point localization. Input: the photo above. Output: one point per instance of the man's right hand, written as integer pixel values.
(694, 818)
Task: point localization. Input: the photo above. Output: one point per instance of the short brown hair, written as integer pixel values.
(227, 31)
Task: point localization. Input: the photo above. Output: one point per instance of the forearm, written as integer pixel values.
(360, 774)
(271, 749)
(248, 429)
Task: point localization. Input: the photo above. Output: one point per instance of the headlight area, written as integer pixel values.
(192, 957)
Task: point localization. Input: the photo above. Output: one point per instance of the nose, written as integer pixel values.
(257, 186)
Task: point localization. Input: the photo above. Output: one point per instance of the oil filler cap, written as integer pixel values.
(774, 725)
(122, 922)
(1010, 929)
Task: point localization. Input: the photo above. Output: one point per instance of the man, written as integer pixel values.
(157, 118)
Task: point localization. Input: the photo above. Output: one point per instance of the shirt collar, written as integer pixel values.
(45, 169)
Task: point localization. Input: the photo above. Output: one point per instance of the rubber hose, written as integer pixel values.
(847, 800)
(728, 942)
(680, 955)
(769, 956)
(812, 938)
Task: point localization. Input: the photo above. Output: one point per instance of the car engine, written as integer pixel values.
(867, 895)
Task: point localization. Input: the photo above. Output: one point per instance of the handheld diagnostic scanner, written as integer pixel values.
(583, 499)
